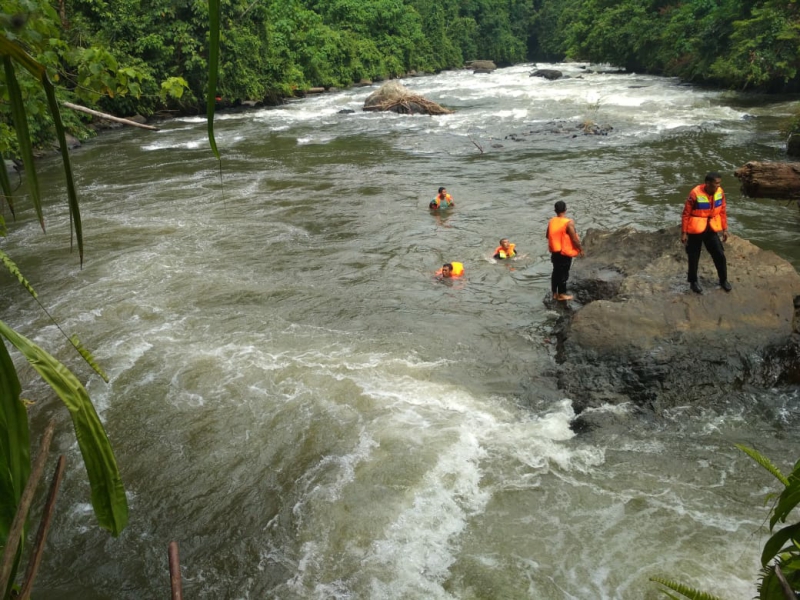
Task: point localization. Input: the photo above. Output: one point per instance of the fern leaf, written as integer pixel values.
(12, 268)
(684, 590)
(87, 356)
(764, 462)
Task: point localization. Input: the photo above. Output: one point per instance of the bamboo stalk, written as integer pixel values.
(96, 113)
(17, 525)
(44, 527)
(788, 593)
(175, 572)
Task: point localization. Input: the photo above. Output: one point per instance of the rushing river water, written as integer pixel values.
(298, 403)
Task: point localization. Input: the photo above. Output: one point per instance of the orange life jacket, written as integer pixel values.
(558, 239)
(501, 252)
(706, 211)
(437, 201)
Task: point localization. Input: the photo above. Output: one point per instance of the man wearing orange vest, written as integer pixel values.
(564, 244)
(704, 216)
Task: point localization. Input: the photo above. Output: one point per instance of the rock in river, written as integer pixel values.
(638, 334)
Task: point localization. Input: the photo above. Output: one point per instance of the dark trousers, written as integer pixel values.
(561, 265)
(709, 239)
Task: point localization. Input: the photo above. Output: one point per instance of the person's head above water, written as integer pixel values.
(447, 270)
(504, 243)
(560, 207)
(442, 190)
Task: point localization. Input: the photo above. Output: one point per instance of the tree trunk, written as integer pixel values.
(776, 180)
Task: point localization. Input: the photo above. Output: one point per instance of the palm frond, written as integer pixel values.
(684, 590)
(764, 462)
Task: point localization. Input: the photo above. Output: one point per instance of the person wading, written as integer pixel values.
(564, 244)
(704, 216)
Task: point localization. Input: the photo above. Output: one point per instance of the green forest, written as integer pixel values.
(144, 56)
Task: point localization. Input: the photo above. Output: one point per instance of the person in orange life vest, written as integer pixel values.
(704, 216)
(505, 250)
(442, 200)
(564, 244)
(451, 270)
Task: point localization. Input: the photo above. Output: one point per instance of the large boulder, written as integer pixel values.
(484, 66)
(397, 98)
(639, 335)
(551, 74)
(779, 180)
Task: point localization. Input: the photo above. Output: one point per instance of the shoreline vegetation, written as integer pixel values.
(150, 57)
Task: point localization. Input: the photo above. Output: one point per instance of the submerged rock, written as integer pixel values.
(640, 335)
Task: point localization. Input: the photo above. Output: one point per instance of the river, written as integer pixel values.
(298, 403)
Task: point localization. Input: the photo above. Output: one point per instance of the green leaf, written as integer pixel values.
(14, 270)
(15, 459)
(5, 186)
(788, 499)
(72, 194)
(87, 356)
(108, 494)
(775, 544)
(764, 462)
(684, 590)
(23, 134)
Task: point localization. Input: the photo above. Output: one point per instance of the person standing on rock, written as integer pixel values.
(564, 244)
(704, 216)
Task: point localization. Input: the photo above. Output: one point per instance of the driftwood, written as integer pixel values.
(778, 180)
(397, 98)
(97, 113)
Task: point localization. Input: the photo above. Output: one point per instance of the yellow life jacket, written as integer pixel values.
(501, 252)
(558, 239)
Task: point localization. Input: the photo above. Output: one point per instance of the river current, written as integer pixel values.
(298, 403)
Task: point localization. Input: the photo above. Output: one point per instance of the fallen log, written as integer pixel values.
(97, 113)
(777, 180)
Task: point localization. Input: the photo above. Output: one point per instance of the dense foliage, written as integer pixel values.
(143, 56)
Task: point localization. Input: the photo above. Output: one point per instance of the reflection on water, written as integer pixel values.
(297, 401)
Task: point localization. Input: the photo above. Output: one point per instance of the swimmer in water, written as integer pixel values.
(442, 200)
(505, 250)
(451, 270)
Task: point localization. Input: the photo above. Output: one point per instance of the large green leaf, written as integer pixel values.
(15, 459)
(23, 134)
(789, 498)
(108, 493)
(775, 544)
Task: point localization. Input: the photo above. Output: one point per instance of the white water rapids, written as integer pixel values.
(298, 403)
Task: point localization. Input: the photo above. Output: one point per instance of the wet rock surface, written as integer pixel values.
(636, 334)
